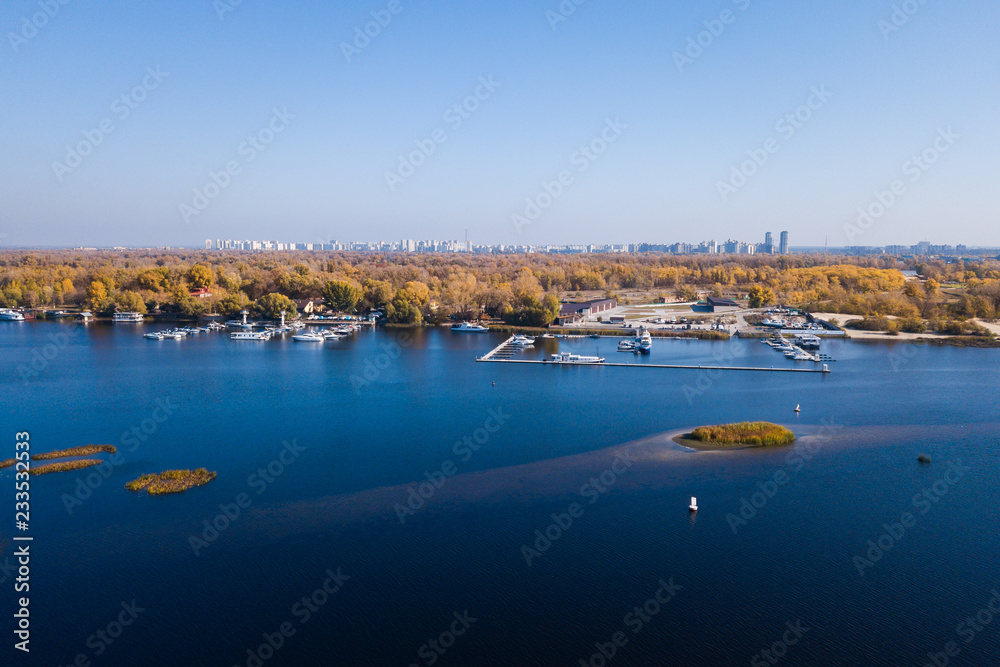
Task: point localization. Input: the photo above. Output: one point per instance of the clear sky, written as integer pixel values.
(673, 132)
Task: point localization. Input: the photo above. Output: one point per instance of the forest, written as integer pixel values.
(519, 289)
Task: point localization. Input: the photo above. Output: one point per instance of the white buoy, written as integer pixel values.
(694, 504)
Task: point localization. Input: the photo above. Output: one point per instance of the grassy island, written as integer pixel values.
(85, 450)
(744, 434)
(64, 466)
(171, 481)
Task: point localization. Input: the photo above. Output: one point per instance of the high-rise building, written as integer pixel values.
(769, 242)
(208, 244)
(783, 249)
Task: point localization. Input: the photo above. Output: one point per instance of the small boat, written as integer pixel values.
(465, 326)
(155, 335)
(11, 315)
(309, 338)
(567, 358)
(694, 504)
(522, 341)
(626, 346)
(798, 408)
(595, 335)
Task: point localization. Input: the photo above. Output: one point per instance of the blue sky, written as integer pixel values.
(681, 130)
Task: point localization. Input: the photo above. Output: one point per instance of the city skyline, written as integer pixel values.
(852, 123)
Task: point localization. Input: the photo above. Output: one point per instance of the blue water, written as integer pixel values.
(374, 416)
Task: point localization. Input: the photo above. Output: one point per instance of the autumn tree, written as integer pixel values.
(200, 276)
(270, 306)
(341, 295)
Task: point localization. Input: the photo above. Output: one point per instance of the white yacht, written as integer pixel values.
(127, 317)
(309, 337)
(522, 341)
(11, 315)
(250, 335)
(465, 326)
(154, 335)
(567, 358)
(643, 340)
(626, 346)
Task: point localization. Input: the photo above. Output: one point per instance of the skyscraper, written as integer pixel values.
(769, 242)
(783, 249)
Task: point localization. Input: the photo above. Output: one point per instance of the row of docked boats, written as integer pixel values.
(793, 351)
(325, 334)
(642, 343)
(182, 332)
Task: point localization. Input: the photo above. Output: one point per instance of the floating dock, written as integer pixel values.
(502, 354)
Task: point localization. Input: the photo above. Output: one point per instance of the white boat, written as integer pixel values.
(155, 335)
(626, 346)
(250, 335)
(568, 358)
(643, 340)
(522, 341)
(465, 326)
(127, 317)
(11, 315)
(309, 338)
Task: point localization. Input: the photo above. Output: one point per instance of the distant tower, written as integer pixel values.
(769, 242)
(783, 249)
(208, 244)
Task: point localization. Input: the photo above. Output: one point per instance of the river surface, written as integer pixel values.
(463, 513)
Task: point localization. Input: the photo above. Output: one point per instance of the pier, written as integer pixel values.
(502, 354)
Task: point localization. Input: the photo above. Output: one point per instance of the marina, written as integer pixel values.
(505, 353)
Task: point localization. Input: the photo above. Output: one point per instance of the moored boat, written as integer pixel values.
(465, 326)
(569, 358)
